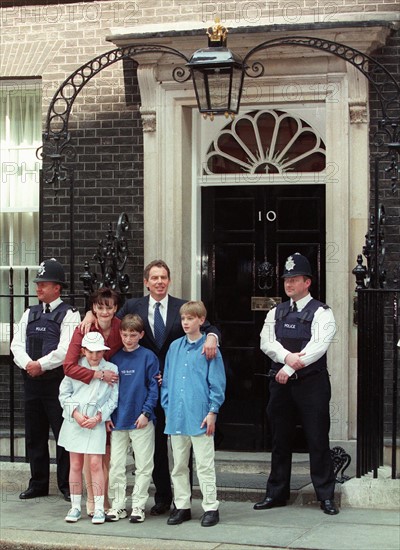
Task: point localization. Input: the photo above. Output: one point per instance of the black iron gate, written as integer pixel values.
(377, 379)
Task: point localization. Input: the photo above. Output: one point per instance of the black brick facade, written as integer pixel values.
(106, 132)
(389, 56)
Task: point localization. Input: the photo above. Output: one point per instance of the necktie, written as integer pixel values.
(159, 327)
(47, 309)
(293, 307)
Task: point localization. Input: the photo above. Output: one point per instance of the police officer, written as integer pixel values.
(39, 347)
(296, 336)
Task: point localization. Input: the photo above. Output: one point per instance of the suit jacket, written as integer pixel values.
(173, 327)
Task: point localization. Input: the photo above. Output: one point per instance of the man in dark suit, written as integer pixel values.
(157, 279)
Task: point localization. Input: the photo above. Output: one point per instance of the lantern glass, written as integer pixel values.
(217, 77)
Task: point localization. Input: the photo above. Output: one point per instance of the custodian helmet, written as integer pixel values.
(50, 271)
(297, 264)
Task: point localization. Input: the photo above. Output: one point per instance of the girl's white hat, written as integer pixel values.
(94, 341)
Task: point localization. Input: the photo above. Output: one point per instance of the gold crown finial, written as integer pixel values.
(217, 33)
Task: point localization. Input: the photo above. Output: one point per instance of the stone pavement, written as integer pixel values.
(39, 524)
(369, 517)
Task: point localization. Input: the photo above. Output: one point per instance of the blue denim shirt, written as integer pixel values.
(192, 387)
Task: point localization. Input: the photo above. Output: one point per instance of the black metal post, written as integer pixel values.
(11, 367)
(70, 176)
(395, 365)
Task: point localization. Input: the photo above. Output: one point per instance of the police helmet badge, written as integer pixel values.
(289, 265)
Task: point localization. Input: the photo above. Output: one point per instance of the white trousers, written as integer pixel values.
(142, 442)
(203, 448)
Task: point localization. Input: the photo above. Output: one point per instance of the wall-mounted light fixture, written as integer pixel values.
(217, 75)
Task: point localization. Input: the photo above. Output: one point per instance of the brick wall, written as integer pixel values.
(389, 56)
(106, 133)
(140, 12)
(51, 41)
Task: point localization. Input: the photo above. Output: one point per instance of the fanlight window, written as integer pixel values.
(266, 142)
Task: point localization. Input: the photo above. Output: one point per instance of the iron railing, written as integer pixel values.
(10, 377)
(377, 379)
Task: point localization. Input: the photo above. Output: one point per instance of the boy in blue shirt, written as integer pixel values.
(192, 392)
(132, 422)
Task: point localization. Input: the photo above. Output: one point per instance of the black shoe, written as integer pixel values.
(179, 516)
(160, 508)
(32, 493)
(66, 496)
(328, 507)
(210, 518)
(269, 503)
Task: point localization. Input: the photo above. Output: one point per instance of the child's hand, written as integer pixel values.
(79, 417)
(141, 421)
(209, 421)
(91, 422)
(109, 426)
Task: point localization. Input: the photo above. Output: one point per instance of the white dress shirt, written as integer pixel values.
(56, 357)
(163, 310)
(323, 329)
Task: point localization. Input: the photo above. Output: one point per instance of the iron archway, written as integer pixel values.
(59, 153)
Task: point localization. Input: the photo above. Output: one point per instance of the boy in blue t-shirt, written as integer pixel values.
(132, 422)
(192, 392)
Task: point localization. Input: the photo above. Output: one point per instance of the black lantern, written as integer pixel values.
(217, 75)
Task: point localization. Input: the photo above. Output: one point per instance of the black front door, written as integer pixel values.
(247, 234)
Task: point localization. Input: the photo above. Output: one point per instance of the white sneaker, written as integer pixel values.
(137, 515)
(73, 515)
(115, 515)
(99, 516)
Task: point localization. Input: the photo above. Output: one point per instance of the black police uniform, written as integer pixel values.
(42, 407)
(306, 395)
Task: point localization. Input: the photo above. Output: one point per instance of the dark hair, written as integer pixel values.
(104, 296)
(132, 322)
(155, 263)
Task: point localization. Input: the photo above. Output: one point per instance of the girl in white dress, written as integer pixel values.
(86, 408)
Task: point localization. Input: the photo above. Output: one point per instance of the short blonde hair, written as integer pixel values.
(196, 308)
(132, 322)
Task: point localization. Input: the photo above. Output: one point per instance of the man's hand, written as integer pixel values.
(209, 421)
(294, 361)
(34, 369)
(89, 320)
(210, 346)
(281, 377)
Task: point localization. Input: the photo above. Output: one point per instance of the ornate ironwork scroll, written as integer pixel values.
(341, 461)
(266, 276)
(57, 149)
(112, 255)
(386, 86)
